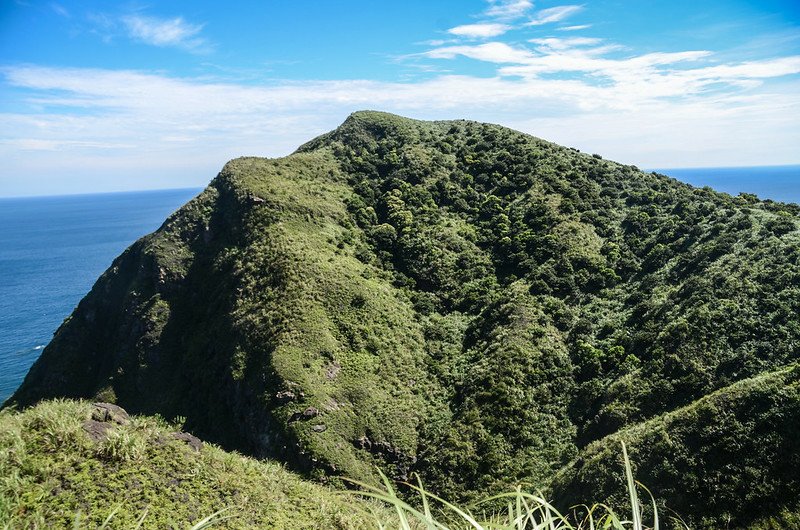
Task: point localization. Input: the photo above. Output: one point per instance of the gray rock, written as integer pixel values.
(310, 412)
(108, 412)
(96, 429)
(193, 441)
(332, 370)
(285, 395)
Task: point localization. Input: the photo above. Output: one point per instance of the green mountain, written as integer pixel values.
(467, 302)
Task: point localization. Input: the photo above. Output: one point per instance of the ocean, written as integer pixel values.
(52, 249)
(779, 183)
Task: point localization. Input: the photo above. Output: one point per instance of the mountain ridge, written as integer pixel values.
(451, 298)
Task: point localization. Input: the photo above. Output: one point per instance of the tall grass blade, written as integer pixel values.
(140, 521)
(635, 512)
(212, 519)
(110, 516)
(653, 502)
(425, 504)
(398, 508)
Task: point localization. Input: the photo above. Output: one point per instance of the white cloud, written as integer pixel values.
(730, 131)
(660, 109)
(146, 126)
(554, 14)
(437, 42)
(479, 30)
(553, 43)
(575, 28)
(164, 31)
(493, 52)
(751, 69)
(655, 110)
(585, 55)
(508, 9)
(615, 82)
(34, 144)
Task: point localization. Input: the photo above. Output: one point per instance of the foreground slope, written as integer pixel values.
(452, 298)
(61, 468)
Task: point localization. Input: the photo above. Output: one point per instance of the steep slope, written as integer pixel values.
(243, 315)
(61, 468)
(453, 298)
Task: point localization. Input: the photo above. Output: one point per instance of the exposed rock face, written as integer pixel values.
(103, 418)
(96, 429)
(307, 414)
(110, 413)
(106, 416)
(192, 441)
(285, 395)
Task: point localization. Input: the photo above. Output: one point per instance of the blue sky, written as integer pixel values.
(101, 96)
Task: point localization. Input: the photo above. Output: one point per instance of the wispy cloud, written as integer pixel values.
(479, 30)
(554, 14)
(174, 32)
(129, 122)
(585, 72)
(60, 10)
(575, 28)
(502, 12)
(497, 17)
(553, 43)
(508, 9)
(58, 145)
(493, 52)
(661, 109)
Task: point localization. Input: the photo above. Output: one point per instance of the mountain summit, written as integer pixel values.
(467, 302)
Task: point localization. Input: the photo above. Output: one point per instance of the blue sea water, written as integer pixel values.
(52, 249)
(779, 183)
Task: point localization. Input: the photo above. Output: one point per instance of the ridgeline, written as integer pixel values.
(466, 302)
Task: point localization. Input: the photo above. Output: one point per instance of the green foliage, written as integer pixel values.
(163, 483)
(520, 510)
(452, 298)
(727, 460)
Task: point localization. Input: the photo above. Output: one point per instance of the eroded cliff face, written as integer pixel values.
(451, 298)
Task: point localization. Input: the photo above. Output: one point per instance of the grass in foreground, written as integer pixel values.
(53, 475)
(524, 511)
(137, 475)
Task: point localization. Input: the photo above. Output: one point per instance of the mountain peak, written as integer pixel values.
(459, 300)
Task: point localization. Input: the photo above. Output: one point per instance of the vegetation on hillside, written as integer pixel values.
(59, 470)
(460, 300)
(728, 460)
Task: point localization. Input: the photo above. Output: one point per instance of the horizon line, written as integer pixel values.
(660, 170)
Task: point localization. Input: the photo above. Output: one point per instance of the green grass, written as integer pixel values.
(137, 476)
(52, 475)
(522, 510)
(729, 459)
